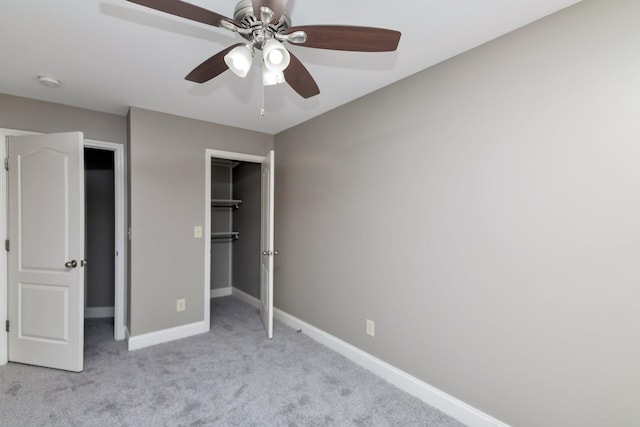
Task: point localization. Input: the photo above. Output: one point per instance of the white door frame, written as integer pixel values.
(119, 167)
(209, 155)
(118, 176)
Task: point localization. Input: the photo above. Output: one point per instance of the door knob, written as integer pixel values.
(265, 253)
(83, 262)
(71, 264)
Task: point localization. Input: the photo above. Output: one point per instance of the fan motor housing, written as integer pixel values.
(245, 16)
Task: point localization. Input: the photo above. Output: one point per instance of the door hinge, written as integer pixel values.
(6, 163)
(7, 325)
(6, 245)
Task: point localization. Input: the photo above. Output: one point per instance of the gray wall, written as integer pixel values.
(246, 250)
(47, 117)
(167, 189)
(485, 213)
(221, 222)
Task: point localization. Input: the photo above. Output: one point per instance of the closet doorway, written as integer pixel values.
(239, 230)
(117, 151)
(104, 233)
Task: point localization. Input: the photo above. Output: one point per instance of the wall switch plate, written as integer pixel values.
(197, 232)
(181, 304)
(371, 328)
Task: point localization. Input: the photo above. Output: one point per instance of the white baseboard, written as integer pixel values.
(432, 396)
(98, 312)
(220, 292)
(448, 404)
(249, 299)
(146, 340)
(412, 385)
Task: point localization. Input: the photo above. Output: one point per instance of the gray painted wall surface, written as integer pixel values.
(485, 213)
(221, 222)
(167, 189)
(246, 250)
(48, 117)
(100, 237)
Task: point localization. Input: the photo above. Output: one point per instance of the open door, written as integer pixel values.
(266, 267)
(46, 256)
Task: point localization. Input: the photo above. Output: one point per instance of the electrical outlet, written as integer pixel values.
(371, 328)
(181, 304)
(197, 232)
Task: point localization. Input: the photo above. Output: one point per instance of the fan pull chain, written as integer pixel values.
(262, 106)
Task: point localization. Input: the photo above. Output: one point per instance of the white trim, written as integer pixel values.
(118, 176)
(243, 296)
(152, 338)
(207, 236)
(221, 292)
(438, 399)
(230, 155)
(98, 312)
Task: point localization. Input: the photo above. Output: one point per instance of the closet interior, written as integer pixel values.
(99, 233)
(235, 227)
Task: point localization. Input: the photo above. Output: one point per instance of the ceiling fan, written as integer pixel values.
(265, 25)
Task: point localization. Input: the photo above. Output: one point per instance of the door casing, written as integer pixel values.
(209, 155)
(118, 173)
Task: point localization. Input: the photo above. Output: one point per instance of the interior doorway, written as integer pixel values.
(100, 221)
(105, 231)
(117, 154)
(235, 227)
(239, 230)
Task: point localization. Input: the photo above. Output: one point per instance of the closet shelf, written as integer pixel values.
(224, 203)
(226, 235)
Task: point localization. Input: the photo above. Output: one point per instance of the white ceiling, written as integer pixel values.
(112, 54)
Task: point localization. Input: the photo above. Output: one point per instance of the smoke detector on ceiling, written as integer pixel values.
(49, 81)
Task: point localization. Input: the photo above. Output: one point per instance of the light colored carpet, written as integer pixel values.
(232, 376)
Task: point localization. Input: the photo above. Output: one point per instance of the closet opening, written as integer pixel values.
(100, 241)
(236, 202)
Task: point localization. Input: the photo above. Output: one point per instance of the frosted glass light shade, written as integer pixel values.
(239, 60)
(275, 56)
(270, 78)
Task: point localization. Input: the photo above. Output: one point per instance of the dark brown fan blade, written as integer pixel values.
(344, 37)
(210, 68)
(300, 79)
(278, 6)
(186, 10)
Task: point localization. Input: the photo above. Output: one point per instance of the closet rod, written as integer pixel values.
(235, 235)
(225, 203)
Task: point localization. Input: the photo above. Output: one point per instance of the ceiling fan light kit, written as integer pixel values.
(276, 57)
(265, 25)
(239, 60)
(270, 78)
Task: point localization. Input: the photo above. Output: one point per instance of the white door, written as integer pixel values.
(266, 268)
(46, 223)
